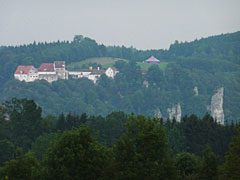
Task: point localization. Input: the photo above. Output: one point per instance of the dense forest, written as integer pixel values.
(117, 146)
(209, 63)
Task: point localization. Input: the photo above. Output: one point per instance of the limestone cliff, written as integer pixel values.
(157, 113)
(217, 106)
(195, 90)
(175, 112)
(145, 83)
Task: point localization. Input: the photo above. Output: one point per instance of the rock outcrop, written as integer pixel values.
(157, 113)
(145, 83)
(195, 90)
(175, 112)
(217, 106)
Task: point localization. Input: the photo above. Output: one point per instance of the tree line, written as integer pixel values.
(118, 146)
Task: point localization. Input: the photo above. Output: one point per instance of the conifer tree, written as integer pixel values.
(61, 122)
(209, 168)
(77, 155)
(231, 169)
(23, 167)
(141, 153)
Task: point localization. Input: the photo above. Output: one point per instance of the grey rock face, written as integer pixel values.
(157, 113)
(145, 83)
(217, 106)
(195, 90)
(175, 112)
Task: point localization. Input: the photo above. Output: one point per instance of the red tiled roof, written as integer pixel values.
(46, 67)
(114, 69)
(59, 64)
(23, 69)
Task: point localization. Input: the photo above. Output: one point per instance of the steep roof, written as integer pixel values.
(23, 69)
(59, 64)
(152, 60)
(114, 69)
(46, 67)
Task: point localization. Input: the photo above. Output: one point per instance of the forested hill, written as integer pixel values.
(208, 63)
(222, 46)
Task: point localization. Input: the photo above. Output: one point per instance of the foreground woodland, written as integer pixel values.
(118, 146)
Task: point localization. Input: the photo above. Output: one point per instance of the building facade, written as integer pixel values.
(111, 72)
(47, 72)
(26, 73)
(57, 70)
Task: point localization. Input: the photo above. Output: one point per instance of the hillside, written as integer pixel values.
(106, 62)
(145, 66)
(208, 64)
(103, 61)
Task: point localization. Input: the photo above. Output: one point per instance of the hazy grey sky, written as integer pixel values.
(144, 24)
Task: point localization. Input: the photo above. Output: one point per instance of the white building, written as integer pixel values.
(59, 68)
(111, 72)
(26, 73)
(47, 72)
(80, 74)
(54, 71)
(95, 75)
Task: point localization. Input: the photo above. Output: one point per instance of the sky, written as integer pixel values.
(143, 24)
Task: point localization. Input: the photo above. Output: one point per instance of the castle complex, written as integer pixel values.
(57, 70)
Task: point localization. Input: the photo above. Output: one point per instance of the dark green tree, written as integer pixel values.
(42, 143)
(231, 169)
(61, 123)
(176, 140)
(155, 76)
(23, 167)
(83, 118)
(77, 155)
(6, 151)
(70, 121)
(141, 153)
(188, 166)
(209, 167)
(25, 122)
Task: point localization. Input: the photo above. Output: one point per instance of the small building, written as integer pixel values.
(152, 60)
(79, 74)
(111, 72)
(26, 73)
(95, 75)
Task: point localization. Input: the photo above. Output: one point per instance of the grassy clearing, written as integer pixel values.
(108, 62)
(104, 61)
(146, 66)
